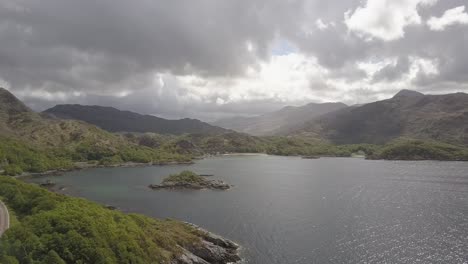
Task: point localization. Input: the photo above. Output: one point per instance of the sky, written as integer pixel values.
(211, 59)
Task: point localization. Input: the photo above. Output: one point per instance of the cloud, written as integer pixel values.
(392, 71)
(450, 17)
(215, 58)
(385, 19)
(322, 25)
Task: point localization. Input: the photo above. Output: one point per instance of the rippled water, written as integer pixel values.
(291, 210)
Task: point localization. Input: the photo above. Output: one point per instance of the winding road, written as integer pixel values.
(4, 218)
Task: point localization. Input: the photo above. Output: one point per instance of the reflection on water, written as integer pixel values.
(292, 210)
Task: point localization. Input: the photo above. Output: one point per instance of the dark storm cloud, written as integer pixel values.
(119, 38)
(111, 52)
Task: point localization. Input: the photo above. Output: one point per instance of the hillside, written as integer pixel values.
(49, 228)
(279, 121)
(114, 120)
(19, 121)
(408, 114)
(35, 143)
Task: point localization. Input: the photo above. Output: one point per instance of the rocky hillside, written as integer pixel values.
(19, 121)
(279, 121)
(114, 120)
(32, 142)
(408, 114)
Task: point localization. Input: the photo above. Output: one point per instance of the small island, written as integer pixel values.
(189, 180)
(310, 157)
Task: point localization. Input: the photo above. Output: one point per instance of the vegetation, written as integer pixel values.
(16, 156)
(302, 146)
(185, 177)
(114, 120)
(404, 149)
(189, 180)
(241, 143)
(53, 228)
(30, 142)
(408, 114)
(420, 150)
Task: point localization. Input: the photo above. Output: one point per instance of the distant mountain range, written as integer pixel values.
(115, 120)
(280, 121)
(408, 114)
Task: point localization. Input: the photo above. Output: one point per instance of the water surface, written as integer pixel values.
(291, 210)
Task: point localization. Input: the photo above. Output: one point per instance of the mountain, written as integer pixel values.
(10, 105)
(279, 121)
(18, 121)
(408, 114)
(34, 142)
(114, 120)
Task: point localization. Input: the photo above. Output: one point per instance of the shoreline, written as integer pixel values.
(83, 166)
(211, 248)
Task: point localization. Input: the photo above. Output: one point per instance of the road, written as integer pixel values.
(4, 218)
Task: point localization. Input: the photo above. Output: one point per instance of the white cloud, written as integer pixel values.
(296, 78)
(283, 78)
(321, 25)
(371, 68)
(450, 17)
(385, 19)
(422, 66)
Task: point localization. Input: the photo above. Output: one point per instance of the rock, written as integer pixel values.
(110, 207)
(47, 184)
(219, 185)
(219, 240)
(212, 249)
(215, 254)
(188, 257)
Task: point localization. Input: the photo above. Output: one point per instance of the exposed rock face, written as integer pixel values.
(213, 249)
(188, 257)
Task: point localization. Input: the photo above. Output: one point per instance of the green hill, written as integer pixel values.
(56, 229)
(35, 143)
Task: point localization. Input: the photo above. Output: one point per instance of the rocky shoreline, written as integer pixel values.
(213, 185)
(212, 249)
(190, 180)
